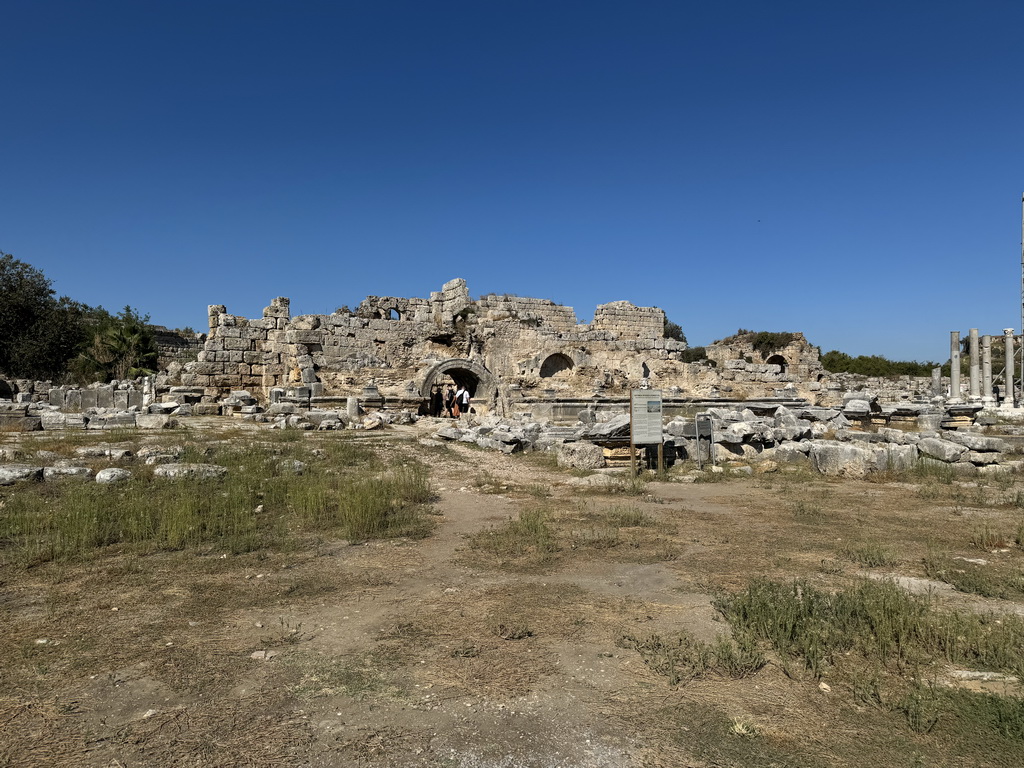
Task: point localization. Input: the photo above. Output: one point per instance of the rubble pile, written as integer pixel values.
(823, 438)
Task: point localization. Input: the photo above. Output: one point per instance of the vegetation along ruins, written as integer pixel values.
(270, 543)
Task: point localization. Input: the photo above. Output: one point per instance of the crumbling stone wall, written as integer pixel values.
(173, 346)
(535, 313)
(895, 389)
(516, 346)
(629, 322)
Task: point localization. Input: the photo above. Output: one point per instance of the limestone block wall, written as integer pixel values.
(897, 389)
(540, 313)
(627, 321)
(176, 347)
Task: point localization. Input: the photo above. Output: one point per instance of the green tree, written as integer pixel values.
(121, 346)
(39, 333)
(674, 331)
(874, 365)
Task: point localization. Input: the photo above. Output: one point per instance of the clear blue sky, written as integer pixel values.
(850, 170)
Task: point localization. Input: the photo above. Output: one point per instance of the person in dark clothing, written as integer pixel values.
(449, 401)
(436, 401)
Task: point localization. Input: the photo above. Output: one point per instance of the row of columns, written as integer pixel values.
(980, 350)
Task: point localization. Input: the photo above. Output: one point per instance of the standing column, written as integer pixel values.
(1008, 398)
(975, 365)
(954, 366)
(986, 370)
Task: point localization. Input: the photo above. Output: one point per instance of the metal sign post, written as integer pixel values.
(645, 427)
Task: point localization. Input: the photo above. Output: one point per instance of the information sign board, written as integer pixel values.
(645, 416)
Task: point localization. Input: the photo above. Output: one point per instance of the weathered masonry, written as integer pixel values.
(503, 348)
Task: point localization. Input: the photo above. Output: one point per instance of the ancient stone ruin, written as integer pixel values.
(508, 350)
(542, 380)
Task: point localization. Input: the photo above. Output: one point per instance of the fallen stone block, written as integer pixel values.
(189, 471)
(836, 459)
(154, 421)
(111, 421)
(983, 458)
(791, 453)
(942, 450)
(895, 458)
(62, 472)
(617, 426)
(581, 456)
(112, 475)
(978, 442)
(13, 473)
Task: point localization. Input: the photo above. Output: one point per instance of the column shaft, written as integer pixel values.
(986, 367)
(954, 365)
(975, 365)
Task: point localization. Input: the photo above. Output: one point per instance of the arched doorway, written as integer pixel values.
(482, 385)
(780, 361)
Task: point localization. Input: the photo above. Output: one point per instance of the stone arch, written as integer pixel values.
(481, 383)
(7, 390)
(780, 361)
(556, 364)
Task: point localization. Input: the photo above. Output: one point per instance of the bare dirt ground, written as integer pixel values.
(432, 652)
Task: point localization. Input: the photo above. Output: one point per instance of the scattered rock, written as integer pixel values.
(190, 471)
(112, 475)
(12, 473)
(291, 466)
(60, 472)
(582, 455)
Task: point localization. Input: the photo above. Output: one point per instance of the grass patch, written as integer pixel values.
(596, 537)
(628, 517)
(316, 676)
(257, 504)
(973, 578)
(871, 556)
(874, 620)
(630, 485)
(530, 534)
(986, 539)
(682, 658)
(805, 512)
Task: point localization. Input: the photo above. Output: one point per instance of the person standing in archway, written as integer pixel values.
(449, 402)
(462, 396)
(459, 395)
(436, 401)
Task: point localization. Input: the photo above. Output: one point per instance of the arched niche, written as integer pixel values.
(780, 361)
(556, 364)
